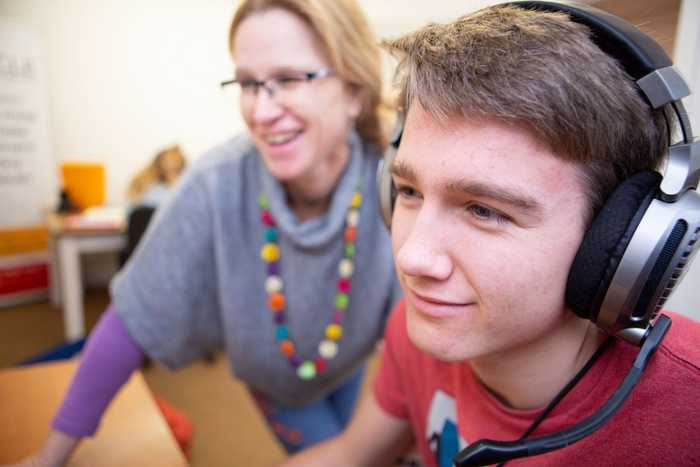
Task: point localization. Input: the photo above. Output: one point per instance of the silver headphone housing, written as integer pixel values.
(620, 313)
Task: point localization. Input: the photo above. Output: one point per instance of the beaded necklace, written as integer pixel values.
(274, 286)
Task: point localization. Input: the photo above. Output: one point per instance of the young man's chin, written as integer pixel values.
(435, 339)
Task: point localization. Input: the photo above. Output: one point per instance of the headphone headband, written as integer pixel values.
(652, 69)
(638, 53)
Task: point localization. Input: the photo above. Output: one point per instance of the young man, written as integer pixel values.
(518, 128)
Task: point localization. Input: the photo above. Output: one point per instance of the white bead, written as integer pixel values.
(327, 349)
(353, 218)
(345, 268)
(273, 284)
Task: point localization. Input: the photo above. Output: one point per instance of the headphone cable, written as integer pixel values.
(565, 390)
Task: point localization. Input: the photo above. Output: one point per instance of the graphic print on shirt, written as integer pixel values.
(441, 429)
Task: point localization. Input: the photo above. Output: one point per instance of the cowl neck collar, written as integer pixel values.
(319, 230)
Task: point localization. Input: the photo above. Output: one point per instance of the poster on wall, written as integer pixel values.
(27, 167)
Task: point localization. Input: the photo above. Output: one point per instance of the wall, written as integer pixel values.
(129, 77)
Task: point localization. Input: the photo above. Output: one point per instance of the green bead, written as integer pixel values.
(341, 301)
(262, 201)
(306, 370)
(349, 250)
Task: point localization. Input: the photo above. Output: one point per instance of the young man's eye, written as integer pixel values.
(407, 192)
(484, 214)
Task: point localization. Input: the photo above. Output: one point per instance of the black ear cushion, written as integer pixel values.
(605, 243)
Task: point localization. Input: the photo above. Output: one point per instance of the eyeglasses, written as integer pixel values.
(281, 87)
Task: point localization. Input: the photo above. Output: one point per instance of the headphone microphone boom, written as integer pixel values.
(640, 243)
(487, 452)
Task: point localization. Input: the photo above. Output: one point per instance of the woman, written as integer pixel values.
(272, 247)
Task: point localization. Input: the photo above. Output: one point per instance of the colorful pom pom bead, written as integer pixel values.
(280, 317)
(338, 316)
(271, 235)
(287, 347)
(282, 333)
(345, 268)
(341, 301)
(344, 285)
(267, 219)
(320, 364)
(334, 331)
(270, 253)
(273, 268)
(295, 361)
(262, 201)
(350, 234)
(353, 218)
(276, 301)
(349, 250)
(328, 349)
(356, 200)
(306, 370)
(273, 284)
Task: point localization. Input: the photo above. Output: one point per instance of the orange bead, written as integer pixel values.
(350, 234)
(276, 301)
(287, 348)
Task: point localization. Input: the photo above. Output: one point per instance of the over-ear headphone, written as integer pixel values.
(640, 243)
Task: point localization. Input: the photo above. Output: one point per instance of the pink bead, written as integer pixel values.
(267, 218)
(320, 365)
(338, 317)
(344, 285)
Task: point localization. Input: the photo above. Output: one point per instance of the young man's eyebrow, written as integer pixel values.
(402, 170)
(497, 193)
(474, 188)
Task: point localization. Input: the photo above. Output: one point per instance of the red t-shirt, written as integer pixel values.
(448, 408)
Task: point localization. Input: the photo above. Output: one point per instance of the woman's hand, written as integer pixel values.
(32, 461)
(55, 452)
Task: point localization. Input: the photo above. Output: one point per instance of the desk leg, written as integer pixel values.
(72, 284)
(54, 276)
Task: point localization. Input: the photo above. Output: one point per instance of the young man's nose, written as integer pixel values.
(424, 252)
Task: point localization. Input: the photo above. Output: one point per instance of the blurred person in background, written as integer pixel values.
(151, 184)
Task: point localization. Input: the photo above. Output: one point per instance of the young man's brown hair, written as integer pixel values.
(542, 72)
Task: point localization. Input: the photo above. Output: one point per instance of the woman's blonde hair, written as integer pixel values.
(351, 48)
(156, 172)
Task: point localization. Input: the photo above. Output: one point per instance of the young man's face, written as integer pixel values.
(485, 227)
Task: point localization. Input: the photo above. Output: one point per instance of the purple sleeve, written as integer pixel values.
(108, 359)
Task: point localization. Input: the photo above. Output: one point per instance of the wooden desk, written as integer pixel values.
(132, 433)
(69, 238)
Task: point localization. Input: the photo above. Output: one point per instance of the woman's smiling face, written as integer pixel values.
(295, 130)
